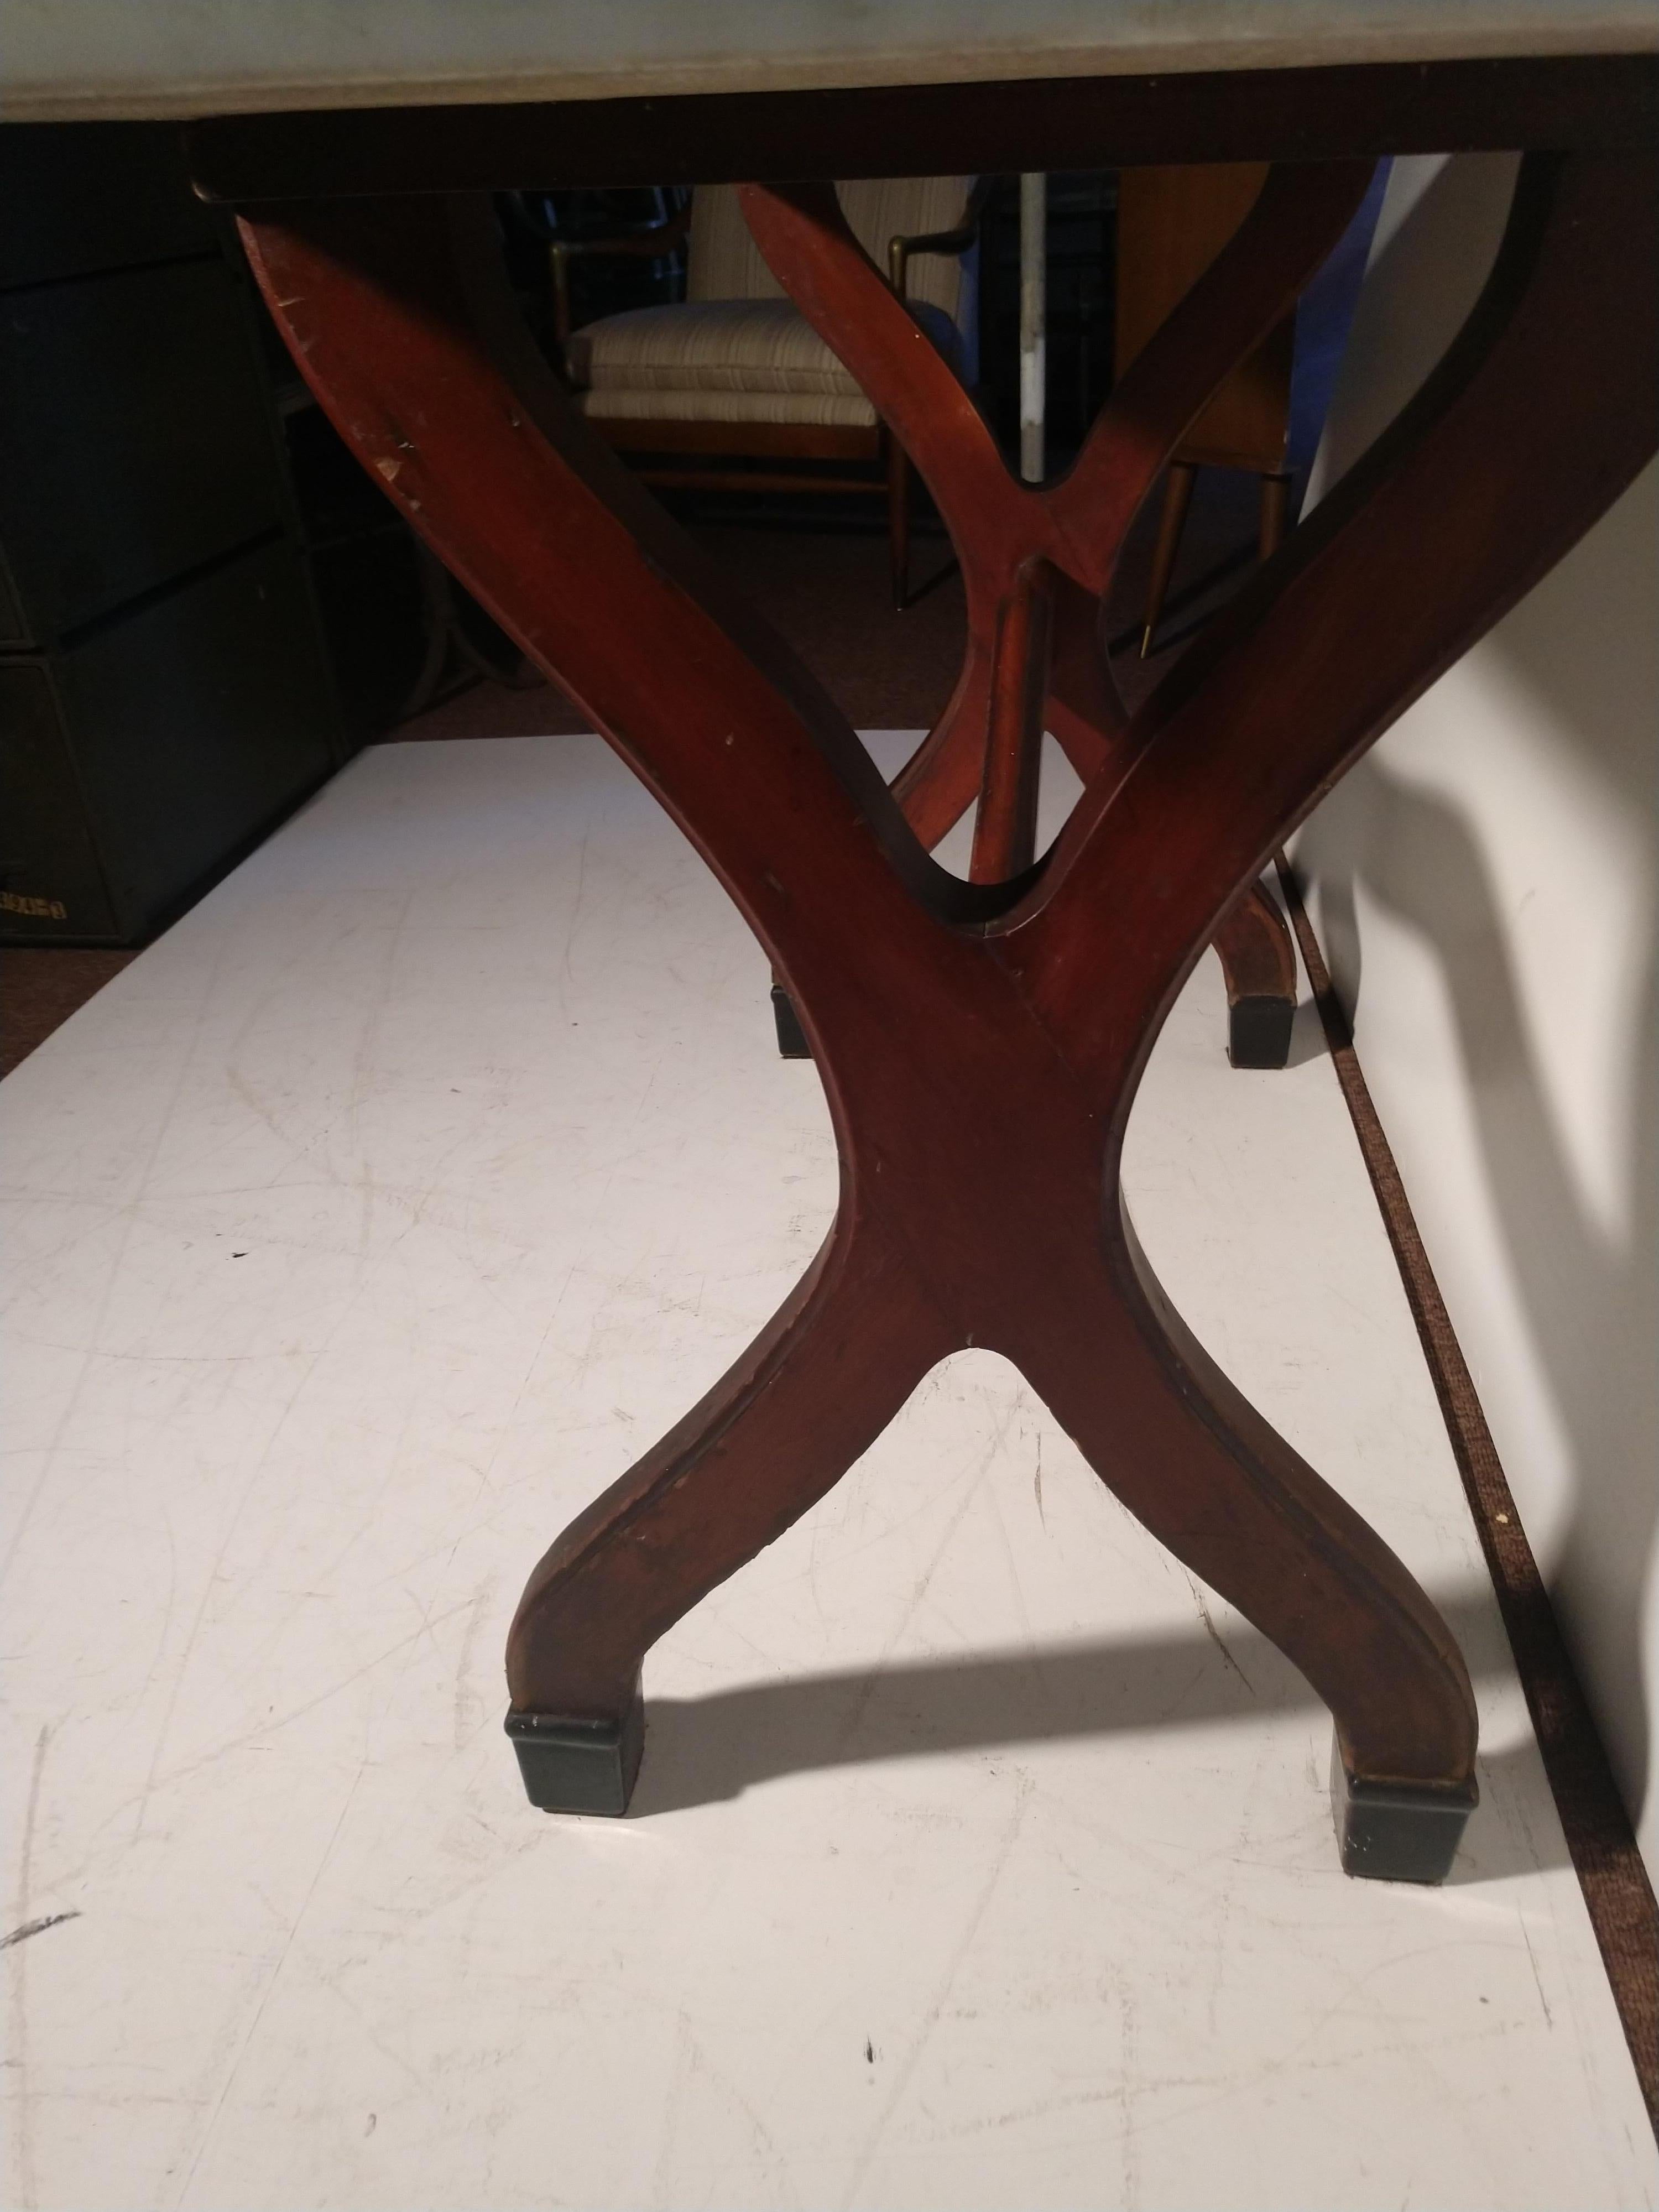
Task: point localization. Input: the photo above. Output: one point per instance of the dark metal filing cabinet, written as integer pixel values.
(165, 694)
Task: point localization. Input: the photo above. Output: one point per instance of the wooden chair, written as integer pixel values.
(1172, 223)
(734, 375)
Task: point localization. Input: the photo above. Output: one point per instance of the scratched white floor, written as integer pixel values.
(362, 1230)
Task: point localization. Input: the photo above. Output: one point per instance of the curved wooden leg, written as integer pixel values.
(1258, 959)
(943, 777)
(981, 1046)
(952, 771)
(809, 1396)
(1171, 521)
(1004, 833)
(1080, 522)
(1195, 1462)
(970, 755)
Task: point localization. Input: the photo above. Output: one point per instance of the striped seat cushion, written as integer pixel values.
(726, 263)
(725, 360)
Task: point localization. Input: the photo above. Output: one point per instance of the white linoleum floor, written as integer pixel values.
(357, 1234)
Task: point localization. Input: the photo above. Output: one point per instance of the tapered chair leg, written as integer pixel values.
(792, 1037)
(898, 520)
(1177, 498)
(1274, 513)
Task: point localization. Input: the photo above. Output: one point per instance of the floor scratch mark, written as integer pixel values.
(1215, 1637)
(1531, 1959)
(24, 2132)
(37, 1928)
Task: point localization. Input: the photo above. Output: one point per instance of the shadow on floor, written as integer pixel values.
(700, 1751)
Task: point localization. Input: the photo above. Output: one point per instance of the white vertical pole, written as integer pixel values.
(1033, 323)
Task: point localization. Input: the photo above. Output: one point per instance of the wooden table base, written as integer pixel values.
(1046, 555)
(980, 1043)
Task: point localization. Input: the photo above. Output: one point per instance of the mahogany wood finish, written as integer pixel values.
(1075, 527)
(1004, 826)
(1171, 223)
(1171, 521)
(1079, 521)
(980, 1044)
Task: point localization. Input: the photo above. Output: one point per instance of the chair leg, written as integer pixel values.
(1177, 498)
(1274, 514)
(792, 1037)
(898, 520)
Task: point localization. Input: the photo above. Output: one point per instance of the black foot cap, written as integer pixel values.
(1259, 1031)
(1398, 1831)
(579, 1766)
(791, 1038)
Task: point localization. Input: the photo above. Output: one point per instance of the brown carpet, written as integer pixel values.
(39, 992)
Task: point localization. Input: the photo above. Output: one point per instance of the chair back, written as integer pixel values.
(725, 263)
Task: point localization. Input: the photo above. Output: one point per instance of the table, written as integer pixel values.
(980, 1043)
(963, 1770)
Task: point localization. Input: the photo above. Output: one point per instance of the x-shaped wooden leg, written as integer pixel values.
(1059, 544)
(980, 1044)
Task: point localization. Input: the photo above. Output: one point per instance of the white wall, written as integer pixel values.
(1487, 888)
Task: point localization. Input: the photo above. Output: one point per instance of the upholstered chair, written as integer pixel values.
(734, 375)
